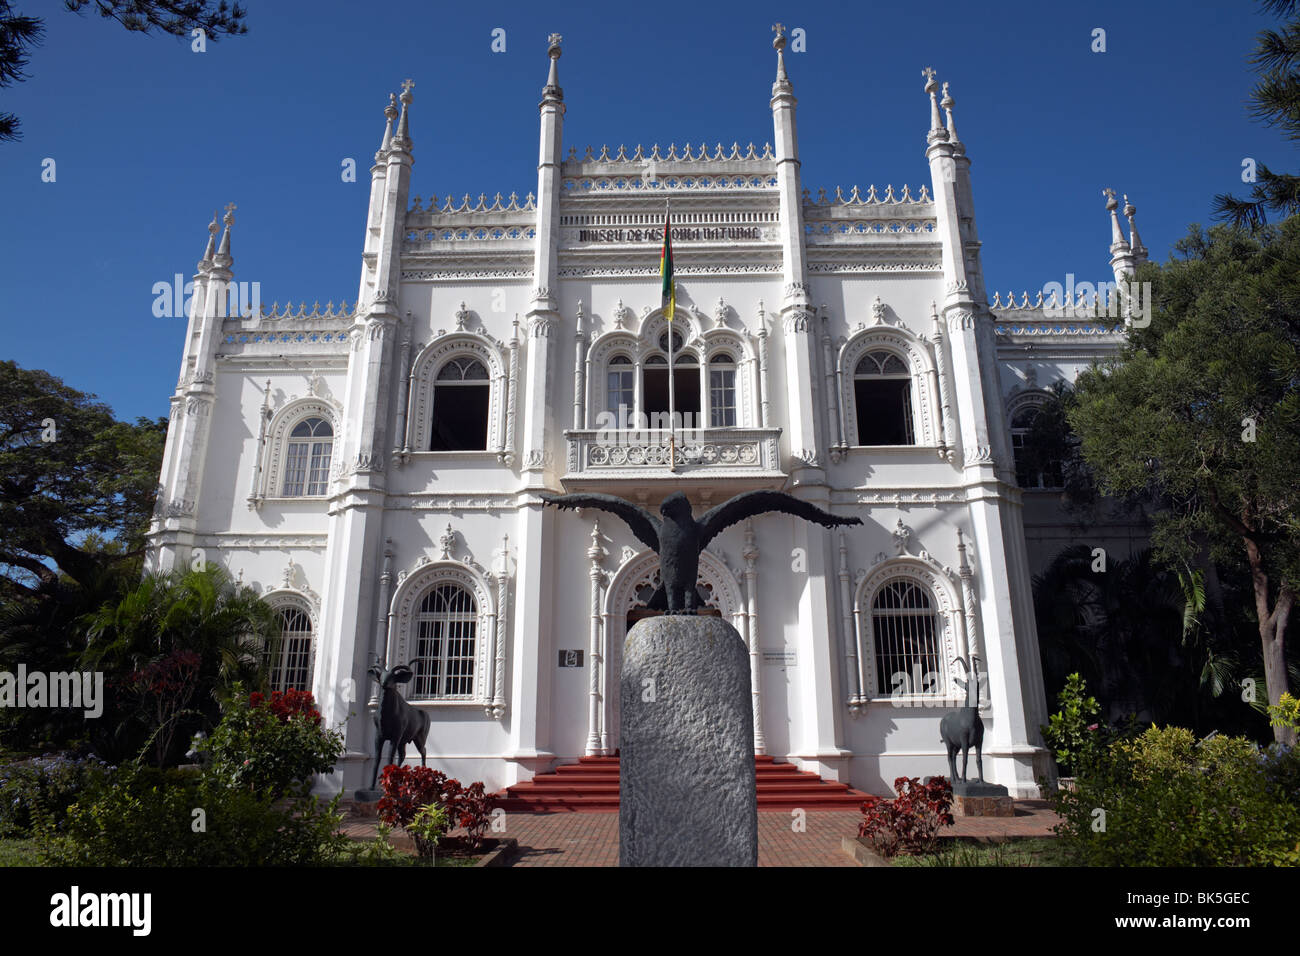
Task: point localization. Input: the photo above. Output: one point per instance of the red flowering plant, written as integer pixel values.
(407, 790)
(271, 745)
(910, 822)
(474, 808)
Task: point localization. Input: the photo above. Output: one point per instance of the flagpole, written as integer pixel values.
(672, 389)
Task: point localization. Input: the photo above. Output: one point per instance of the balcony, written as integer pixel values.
(740, 458)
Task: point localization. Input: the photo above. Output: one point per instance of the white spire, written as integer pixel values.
(1135, 241)
(937, 131)
(552, 93)
(782, 84)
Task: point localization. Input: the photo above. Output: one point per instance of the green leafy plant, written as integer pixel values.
(1168, 799)
(1285, 713)
(1072, 732)
(431, 823)
(270, 745)
(41, 790)
(149, 817)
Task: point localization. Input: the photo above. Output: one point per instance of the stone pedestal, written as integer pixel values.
(687, 791)
(974, 799)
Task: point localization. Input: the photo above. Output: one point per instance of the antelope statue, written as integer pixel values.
(396, 721)
(963, 729)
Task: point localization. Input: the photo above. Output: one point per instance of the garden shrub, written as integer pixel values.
(40, 790)
(270, 745)
(408, 790)
(147, 817)
(910, 822)
(1166, 799)
(428, 827)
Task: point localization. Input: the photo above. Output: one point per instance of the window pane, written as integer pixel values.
(295, 468)
(320, 467)
(722, 397)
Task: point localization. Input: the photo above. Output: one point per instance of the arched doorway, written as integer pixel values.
(626, 602)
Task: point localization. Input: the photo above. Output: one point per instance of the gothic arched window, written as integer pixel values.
(461, 396)
(905, 629)
(307, 458)
(446, 626)
(882, 394)
(288, 660)
(722, 391)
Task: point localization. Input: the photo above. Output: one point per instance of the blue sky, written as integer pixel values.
(149, 138)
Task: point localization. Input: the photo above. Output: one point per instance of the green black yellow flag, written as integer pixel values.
(666, 270)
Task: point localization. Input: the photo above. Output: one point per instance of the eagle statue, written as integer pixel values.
(679, 538)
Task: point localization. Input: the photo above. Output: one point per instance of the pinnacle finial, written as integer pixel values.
(782, 84)
(223, 250)
(390, 114)
(1117, 241)
(213, 229)
(948, 103)
(403, 135)
(937, 131)
(552, 92)
(1135, 241)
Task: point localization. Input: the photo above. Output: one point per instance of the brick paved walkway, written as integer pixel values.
(591, 839)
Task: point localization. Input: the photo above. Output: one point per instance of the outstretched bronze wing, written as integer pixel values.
(753, 503)
(643, 524)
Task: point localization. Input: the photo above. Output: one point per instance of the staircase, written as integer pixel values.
(591, 786)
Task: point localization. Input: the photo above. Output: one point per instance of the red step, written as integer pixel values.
(591, 786)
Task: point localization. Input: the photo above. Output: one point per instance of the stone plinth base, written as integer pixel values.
(983, 806)
(687, 793)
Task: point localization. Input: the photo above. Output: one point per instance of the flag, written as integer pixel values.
(666, 270)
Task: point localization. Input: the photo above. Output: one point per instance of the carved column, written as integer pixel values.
(512, 392)
(380, 650)
(579, 371)
(595, 554)
(498, 708)
(401, 443)
(947, 431)
(850, 635)
(498, 631)
(264, 416)
(763, 387)
(750, 553)
(832, 390)
(974, 647)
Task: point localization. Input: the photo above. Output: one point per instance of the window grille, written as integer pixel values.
(445, 631)
(289, 660)
(904, 625)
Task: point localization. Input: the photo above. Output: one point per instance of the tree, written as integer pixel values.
(76, 493)
(72, 478)
(1276, 99)
(1202, 410)
(20, 34)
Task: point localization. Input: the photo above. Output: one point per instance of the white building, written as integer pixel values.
(373, 469)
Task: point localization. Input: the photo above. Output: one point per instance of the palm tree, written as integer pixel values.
(224, 625)
(1124, 629)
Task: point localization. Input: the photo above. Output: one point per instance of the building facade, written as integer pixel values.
(373, 469)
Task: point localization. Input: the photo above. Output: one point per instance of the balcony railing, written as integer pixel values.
(698, 453)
